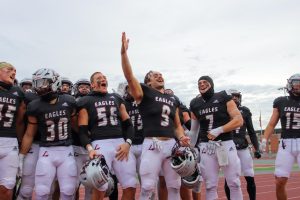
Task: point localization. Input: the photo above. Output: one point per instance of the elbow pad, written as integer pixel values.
(128, 129)
(84, 135)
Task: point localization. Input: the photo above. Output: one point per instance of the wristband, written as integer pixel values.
(89, 148)
(129, 141)
(21, 156)
(217, 131)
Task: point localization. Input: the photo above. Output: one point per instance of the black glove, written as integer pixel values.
(257, 154)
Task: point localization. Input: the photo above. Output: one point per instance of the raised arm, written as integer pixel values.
(133, 83)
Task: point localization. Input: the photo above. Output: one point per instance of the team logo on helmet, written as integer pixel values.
(95, 173)
(183, 160)
(45, 81)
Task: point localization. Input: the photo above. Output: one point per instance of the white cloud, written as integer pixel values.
(251, 45)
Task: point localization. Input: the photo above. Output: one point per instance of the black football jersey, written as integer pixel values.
(28, 97)
(104, 115)
(10, 101)
(211, 114)
(289, 114)
(158, 113)
(239, 134)
(136, 118)
(182, 109)
(54, 120)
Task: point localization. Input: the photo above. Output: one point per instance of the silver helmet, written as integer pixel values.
(293, 84)
(45, 81)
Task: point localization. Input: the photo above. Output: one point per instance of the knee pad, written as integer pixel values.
(65, 196)
(234, 183)
(130, 183)
(42, 190)
(26, 192)
(211, 184)
(175, 183)
(146, 194)
(148, 183)
(68, 189)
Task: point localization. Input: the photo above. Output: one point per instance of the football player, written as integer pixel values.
(26, 84)
(53, 116)
(185, 120)
(66, 85)
(104, 115)
(214, 117)
(81, 89)
(241, 143)
(287, 109)
(160, 117)
(12, 109)
(135, 116)
(66, 88)
(29, 165)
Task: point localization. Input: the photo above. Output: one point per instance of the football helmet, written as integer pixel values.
(293, 84)
(25, 81)
(192, 180)
(236, 93)
(65, 80)
(45, 81)
(82, 81)
(183, 160)
(95, 173)
(123, 90)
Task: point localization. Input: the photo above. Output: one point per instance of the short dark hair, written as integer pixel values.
(147, 77)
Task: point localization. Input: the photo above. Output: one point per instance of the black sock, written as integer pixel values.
(114, 194)
(251, 187)
(227, 190)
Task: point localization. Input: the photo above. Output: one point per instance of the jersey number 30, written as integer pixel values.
(62, 129)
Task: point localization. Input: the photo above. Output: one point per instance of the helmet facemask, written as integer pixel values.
(236, 95)
(293, 84)
(42, 86)
(183, 160)
(46, 81)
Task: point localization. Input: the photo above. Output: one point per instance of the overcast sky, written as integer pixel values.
(252, 46)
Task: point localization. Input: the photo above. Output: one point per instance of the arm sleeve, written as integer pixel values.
(128, 129)
(193, 133)
(84, 135)
(251, 131)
